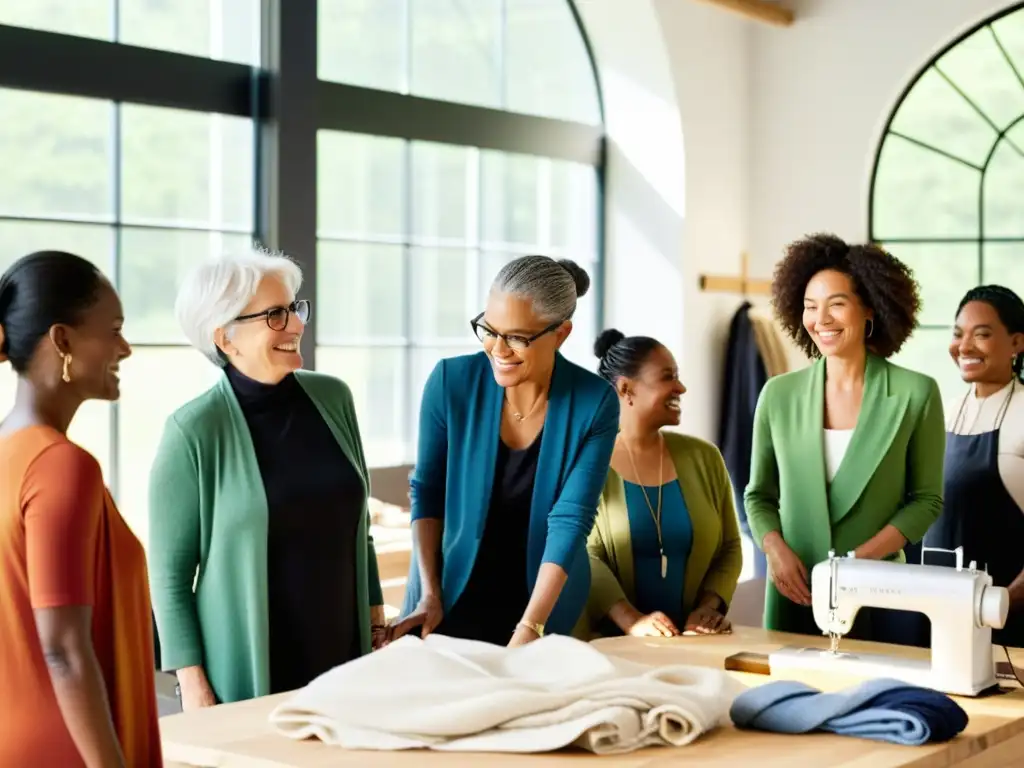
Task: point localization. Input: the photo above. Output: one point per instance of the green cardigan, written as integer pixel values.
(208, 513)
(716, 555)
(891, 472)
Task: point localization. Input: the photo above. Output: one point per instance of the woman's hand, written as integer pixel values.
(427, 616)
(196, 691)
(705, 620)
(786, 570)
(522, 636)
(378, 627)
(655, 624)
(632, 622)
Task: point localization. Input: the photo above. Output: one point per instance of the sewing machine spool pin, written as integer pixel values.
(962, 604)
(833, 604)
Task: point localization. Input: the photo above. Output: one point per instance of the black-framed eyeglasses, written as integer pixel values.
(515, 341)
(277, 317)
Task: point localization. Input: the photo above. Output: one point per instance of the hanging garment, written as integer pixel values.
(766, 336)
(979, 514)
(880, 709)
(450, 694)
(745, 375)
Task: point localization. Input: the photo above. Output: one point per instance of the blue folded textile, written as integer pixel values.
(882, 710)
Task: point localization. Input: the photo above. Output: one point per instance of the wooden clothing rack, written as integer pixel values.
(743, 284)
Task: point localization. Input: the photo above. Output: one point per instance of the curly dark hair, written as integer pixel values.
(883, 283)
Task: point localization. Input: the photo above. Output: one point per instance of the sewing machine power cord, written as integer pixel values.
(1013, 669)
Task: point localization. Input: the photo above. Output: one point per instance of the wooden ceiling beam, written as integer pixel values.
(758, 10)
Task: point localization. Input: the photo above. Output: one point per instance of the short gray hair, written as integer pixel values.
(552, 286)
(215, 292)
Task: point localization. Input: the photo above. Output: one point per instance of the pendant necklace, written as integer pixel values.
(519, 416)
(643, 488)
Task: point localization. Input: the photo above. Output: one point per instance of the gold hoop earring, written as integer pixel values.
(871, 328)
(66, 375)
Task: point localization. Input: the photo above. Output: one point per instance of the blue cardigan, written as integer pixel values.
(460, 423)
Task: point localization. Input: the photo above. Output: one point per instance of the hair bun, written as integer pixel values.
(608, 339)
(579, 276)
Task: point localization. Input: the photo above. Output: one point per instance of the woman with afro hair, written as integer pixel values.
(847, 453)
(983, 493)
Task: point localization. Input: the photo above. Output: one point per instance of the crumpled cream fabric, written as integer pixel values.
(444, 693)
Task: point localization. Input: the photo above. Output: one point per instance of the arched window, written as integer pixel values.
(413, 225)
(947, 193)
(400, 150)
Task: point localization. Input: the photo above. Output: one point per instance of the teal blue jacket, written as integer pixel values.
(460, 423)
(208, 514)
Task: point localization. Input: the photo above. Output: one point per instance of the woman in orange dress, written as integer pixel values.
(76, 645)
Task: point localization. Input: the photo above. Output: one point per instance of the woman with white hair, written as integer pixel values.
(263, 572)
(514, 446)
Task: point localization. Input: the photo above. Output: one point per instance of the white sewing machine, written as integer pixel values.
(962, 604)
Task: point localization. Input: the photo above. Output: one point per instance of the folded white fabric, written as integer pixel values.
(449, 694)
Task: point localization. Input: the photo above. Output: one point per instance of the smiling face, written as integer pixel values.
(96, 347)
(655, 392)
(514, 316)
(253, 347)
(982, 347)
(834, 315)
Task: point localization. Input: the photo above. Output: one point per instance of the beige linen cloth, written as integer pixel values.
(449, 694)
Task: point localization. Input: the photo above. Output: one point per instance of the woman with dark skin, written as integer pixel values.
(77, 651)
(514, 445)
(665, 552)
(847, 453)
(983, 492)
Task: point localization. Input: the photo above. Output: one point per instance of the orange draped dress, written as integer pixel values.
(63, 543)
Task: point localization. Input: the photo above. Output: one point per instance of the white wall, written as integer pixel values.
(822, 92)
(675, 74)
(780, 128)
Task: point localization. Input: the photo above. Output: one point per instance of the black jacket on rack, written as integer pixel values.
(745, 375)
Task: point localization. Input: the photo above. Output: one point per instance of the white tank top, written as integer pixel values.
(836, 442)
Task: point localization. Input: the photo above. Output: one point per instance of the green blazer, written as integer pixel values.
(891, 472)
(716, 555)
(208, 513)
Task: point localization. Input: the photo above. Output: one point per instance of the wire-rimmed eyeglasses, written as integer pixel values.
(277, 317)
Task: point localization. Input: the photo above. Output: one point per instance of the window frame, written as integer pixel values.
(981, 239)
(288, 104)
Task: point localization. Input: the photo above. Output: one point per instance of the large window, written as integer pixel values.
(411, 234)
(948, 189)
(524, 56)
(84, 177)
(218, 29)
(401, 162)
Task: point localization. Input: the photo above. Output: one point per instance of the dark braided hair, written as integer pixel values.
(1008, 306)
(622, 355)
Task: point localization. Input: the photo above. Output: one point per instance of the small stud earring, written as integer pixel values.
(66, 375)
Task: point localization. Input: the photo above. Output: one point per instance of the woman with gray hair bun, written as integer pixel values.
(260, 487)
(514, 445)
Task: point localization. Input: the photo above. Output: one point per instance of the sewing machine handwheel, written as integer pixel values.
(995, 604)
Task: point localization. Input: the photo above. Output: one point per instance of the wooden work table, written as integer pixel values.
(240, 736)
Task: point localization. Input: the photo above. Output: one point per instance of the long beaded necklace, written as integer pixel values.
(654, 514)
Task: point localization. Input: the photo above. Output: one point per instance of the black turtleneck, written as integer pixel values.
(314, 500)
